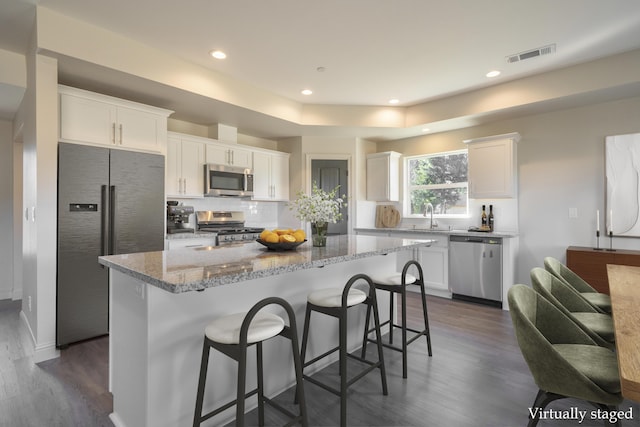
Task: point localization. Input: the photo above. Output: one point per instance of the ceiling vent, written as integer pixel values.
(545, 50)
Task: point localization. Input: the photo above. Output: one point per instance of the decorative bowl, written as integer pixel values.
(282, 246)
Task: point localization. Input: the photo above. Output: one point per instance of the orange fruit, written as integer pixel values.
(264, 234)
(299, 235)
(287, 238)
(272, 238)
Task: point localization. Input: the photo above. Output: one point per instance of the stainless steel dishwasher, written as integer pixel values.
(475, 269)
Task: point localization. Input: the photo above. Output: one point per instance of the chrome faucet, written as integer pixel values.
(428, 207)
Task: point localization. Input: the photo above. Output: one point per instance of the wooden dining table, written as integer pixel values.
(624, 287)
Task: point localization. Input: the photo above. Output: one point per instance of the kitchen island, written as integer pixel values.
(160, 303)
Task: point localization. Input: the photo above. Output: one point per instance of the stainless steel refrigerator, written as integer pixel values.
(109, 202)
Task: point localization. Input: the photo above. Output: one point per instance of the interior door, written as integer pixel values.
(328, 174)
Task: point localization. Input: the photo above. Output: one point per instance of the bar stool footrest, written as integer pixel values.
(226, 406)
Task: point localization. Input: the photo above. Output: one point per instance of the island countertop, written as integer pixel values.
(195, 269)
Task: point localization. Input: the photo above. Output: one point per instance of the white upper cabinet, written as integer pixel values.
(493, 166)
(270, 176)
(383, 177)
(229, 154)
(91, 118)
(185, 166)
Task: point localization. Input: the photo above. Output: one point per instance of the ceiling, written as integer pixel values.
(349, 52)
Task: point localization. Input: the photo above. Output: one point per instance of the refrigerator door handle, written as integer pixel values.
(104, 222)
(113, 244)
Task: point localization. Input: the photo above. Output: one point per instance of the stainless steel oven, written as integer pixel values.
(225, 181)
(228, 226)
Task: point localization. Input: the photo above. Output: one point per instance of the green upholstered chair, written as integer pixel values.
(561, 271)
(564, 360)
(595, 323)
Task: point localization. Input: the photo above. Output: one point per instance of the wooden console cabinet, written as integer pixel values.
(591, 264)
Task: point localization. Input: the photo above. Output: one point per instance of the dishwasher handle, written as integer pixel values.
(476, 239)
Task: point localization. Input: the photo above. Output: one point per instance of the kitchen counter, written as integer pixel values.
(157, 322)
(204, 267)
(419, 230)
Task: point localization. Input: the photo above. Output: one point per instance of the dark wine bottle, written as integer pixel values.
(484, 217)
(491, 217)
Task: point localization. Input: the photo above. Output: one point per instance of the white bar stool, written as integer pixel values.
(335, 302)
(232, 335)
(397, 284)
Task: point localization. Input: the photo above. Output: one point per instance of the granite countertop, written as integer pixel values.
(417, 230)
(195, 269)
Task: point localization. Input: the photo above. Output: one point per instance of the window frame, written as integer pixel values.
(407, 187)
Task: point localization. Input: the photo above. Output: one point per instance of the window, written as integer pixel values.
(439, 179)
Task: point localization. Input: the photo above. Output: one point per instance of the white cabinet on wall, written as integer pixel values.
(270, 176)
(185, 166)
(91, 118)
(383, 177)
(229, 154)
(493, 166)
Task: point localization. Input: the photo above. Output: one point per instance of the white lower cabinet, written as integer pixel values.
(433, 259)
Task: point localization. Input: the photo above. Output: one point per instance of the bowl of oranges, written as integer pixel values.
(282, 239)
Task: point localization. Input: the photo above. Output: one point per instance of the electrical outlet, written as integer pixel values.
(29, 302)
(573, 213)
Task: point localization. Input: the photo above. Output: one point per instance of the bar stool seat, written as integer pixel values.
(394, 279)
(332, 297)
(232, 335)
(396, 283)
(335, 302)
(226, 330)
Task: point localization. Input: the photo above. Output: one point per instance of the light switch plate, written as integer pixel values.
(573, 213)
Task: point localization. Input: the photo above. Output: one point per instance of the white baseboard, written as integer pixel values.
(115, 419)
(40, 352)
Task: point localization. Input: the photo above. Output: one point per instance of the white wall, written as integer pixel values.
(6, 210)
(560, 166)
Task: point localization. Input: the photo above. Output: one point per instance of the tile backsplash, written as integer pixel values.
(257, 214)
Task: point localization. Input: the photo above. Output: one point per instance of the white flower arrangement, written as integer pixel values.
(318, 207)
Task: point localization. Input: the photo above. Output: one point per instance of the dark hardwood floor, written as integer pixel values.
(476, 377)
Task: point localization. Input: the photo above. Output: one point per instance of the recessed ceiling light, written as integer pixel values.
(425, 129)
(394, 101)
(307, 92)
(218, 54)
(494, 73)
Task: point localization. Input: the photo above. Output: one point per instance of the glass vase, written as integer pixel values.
(319, 233)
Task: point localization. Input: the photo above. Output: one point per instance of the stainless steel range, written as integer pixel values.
(228, 224)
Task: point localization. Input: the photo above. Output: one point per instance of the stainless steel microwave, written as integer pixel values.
(222, 180)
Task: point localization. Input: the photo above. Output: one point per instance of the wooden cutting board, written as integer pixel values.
(387, 216)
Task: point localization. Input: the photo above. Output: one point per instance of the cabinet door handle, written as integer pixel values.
(233, 157)
(184, 190)
(120, 134)
(113, 133)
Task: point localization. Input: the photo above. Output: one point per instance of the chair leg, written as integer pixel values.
(201, 383)
(543, 398)
(383, 372)
(425, 314)
(403, 297)
(303, 349)
(297, 364)
(391, 301)
(242, 377)
(260, 383)
(343, 366)
(366, 332)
